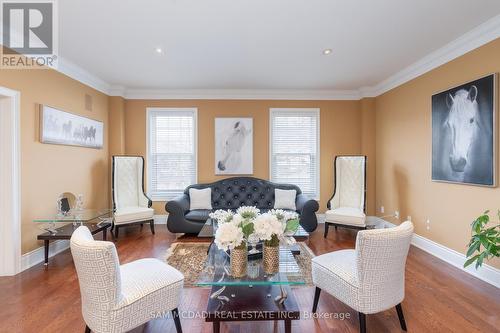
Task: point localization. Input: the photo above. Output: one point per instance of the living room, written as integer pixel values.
(249, 167)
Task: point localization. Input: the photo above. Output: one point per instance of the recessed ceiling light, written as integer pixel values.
(159, 50)
(327, 51)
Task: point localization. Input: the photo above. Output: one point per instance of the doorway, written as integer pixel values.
(10, 194)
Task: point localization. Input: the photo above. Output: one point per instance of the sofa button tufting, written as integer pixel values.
(249, 196)
(235, 196)
(255, 188)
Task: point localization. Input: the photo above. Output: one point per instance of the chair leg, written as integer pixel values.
(142, 225)
(116, 232)
(335, 228)
(87, 329)
(177, 320)
(402, 321)
(362, 322)
(152, 225)
(326, 230)
(317, 292)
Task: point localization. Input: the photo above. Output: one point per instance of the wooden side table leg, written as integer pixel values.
(46, 247)
(105, 234)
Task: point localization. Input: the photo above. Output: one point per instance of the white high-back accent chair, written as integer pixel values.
(346, 208)
(370, 278)
(130, 203)
(119, 298)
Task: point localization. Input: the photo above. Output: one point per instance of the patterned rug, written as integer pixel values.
(189, 258)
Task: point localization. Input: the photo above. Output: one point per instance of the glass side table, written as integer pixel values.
(61, 226)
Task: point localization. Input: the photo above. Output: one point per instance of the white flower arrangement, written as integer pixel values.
(267, 225)
(222, 216)
(248, 225)
(229, 236)
(248, 212)
(283, 215)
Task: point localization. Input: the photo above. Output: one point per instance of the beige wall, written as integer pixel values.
(48, 170)
(403, 146)
(340, 133)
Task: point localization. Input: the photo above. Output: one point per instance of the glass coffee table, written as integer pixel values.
(61, 226)
(254, 297)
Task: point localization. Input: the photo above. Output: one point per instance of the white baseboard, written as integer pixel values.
(160, 219)
(486, 272)
(37, 256)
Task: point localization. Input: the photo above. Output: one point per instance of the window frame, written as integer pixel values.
(155, 110)
(317, 113)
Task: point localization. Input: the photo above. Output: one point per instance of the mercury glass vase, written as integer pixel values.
(271, 258)
(239, 261)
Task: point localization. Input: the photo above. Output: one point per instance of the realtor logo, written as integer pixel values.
(29, 34)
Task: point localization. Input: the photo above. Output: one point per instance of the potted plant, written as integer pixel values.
(485, 240)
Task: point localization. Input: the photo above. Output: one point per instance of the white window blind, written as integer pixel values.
(171, 151)
(295, 148)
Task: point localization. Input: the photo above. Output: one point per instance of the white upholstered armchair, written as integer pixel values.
(119, 298)
(370, 278)
(346, 208)
(130, 203)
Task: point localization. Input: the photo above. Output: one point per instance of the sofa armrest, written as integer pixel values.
(307, 209)
(178, 206)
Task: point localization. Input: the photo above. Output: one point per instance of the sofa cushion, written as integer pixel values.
(200, 198)
(346, 215)
(198, 215)
(133, 214)
(284, 199)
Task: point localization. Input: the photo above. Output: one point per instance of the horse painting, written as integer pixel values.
(463, 123)
(233, 146)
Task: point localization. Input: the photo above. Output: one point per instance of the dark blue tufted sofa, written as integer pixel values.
(232, 193)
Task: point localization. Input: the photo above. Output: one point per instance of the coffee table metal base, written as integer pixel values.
(253, 304)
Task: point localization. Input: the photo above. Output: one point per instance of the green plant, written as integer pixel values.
(485, 241)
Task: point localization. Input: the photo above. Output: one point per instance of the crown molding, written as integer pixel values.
(77, 73)
(273, 94)
(479, 36)
(473, 39)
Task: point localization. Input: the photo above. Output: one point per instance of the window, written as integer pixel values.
(295, 148)
(171, 137)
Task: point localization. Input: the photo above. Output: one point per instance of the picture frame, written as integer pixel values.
(233, 146)
(64, 128)
(465, 133)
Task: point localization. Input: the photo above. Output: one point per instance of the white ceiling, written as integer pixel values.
(259, 44)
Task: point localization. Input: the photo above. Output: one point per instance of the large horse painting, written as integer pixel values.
(464, 133)
(233, 146)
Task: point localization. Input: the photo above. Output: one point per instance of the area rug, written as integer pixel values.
(189, 258)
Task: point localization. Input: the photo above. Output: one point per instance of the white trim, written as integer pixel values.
(486, 272)
(10, 228)
(77, 73)
(317, 112)
(160, 219)
(272, 94)
(37, 256)
(148, 157)
(477, 37)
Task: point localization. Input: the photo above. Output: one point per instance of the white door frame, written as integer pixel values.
(10, 191)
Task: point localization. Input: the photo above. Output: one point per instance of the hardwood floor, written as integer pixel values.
(439, 297)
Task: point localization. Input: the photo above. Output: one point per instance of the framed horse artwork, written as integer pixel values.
(464, 133)
(64, 128)
(233, 146)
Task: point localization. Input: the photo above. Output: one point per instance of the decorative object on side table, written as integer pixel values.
(486, 236)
